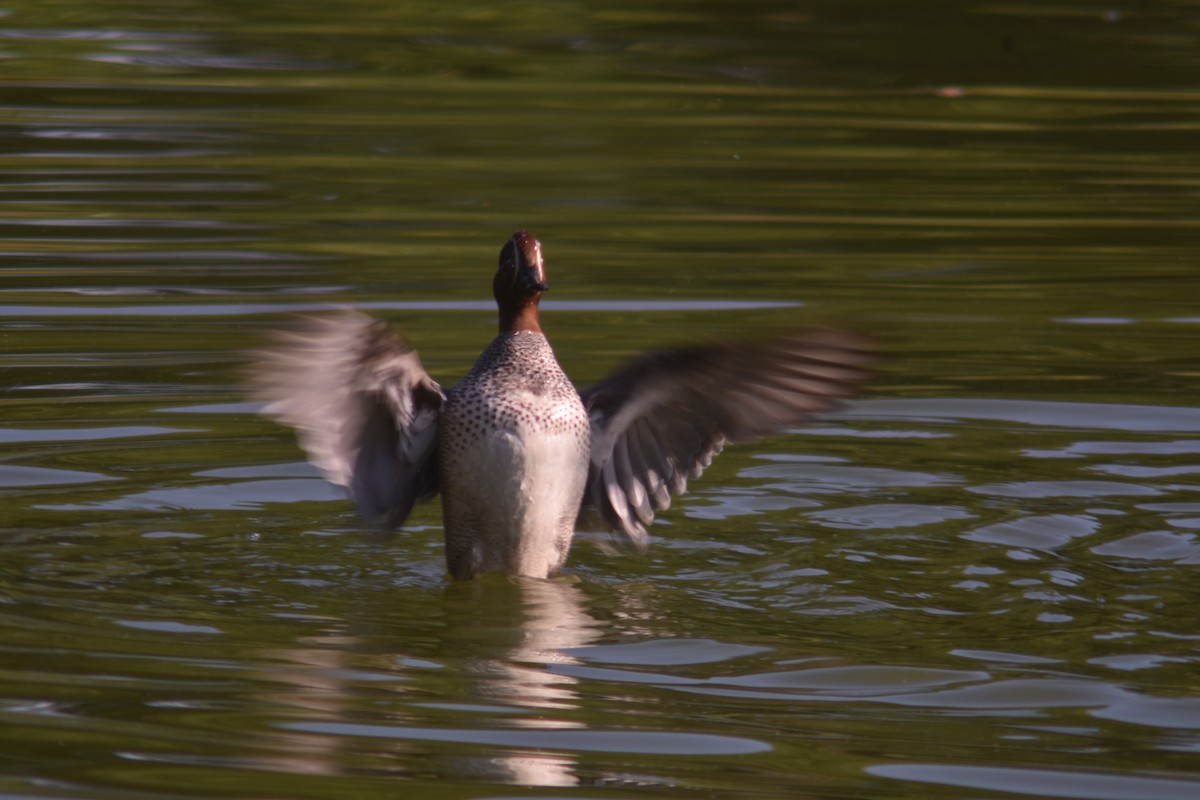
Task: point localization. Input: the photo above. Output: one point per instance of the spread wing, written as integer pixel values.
(364, 409)
(661, 418)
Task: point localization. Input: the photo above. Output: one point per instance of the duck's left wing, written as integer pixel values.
(364, 408)
(660, 419)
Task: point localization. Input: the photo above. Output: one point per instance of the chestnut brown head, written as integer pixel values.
(519, 282)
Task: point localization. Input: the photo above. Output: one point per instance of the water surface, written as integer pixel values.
(978, 580)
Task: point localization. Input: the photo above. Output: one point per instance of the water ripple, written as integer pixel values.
(1067, 783)
(621, 741)
(1099, 416)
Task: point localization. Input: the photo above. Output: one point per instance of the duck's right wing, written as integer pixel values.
(661, 419)
(364, 408)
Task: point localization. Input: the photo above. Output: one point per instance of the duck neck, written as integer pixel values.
(522, 316)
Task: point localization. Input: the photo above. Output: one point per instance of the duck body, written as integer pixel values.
(513, 446)
(515, 451)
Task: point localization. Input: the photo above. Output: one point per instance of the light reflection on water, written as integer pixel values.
(976, 579)
(1039, 550)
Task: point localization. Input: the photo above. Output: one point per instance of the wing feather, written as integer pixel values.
(364, 408)
(661, 419)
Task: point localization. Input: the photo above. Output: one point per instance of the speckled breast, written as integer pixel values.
(514, 442)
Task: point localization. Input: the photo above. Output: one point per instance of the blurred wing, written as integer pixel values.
(364, 409)
(661, 419)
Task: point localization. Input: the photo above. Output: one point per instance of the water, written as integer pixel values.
(977, 581)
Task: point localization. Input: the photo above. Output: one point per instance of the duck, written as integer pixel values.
(518, 455)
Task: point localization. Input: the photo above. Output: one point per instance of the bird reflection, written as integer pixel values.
(505, 634)
(553, 619)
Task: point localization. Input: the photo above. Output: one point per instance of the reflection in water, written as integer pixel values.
(247, 308)
(1042, 782)
(553, 617)
(312, 681)
(507, 632)
(1071, 415)
(178, 617)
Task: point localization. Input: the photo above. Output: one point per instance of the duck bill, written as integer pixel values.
(530, 275)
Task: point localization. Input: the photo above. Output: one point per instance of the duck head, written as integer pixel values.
(519, 283)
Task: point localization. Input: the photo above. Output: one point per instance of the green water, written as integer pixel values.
(977, 581)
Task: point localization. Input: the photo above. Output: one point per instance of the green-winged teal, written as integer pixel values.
(514, 450)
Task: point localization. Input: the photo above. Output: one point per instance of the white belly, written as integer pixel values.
(511, 498)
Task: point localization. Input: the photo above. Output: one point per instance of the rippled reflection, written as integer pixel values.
(979, 579)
